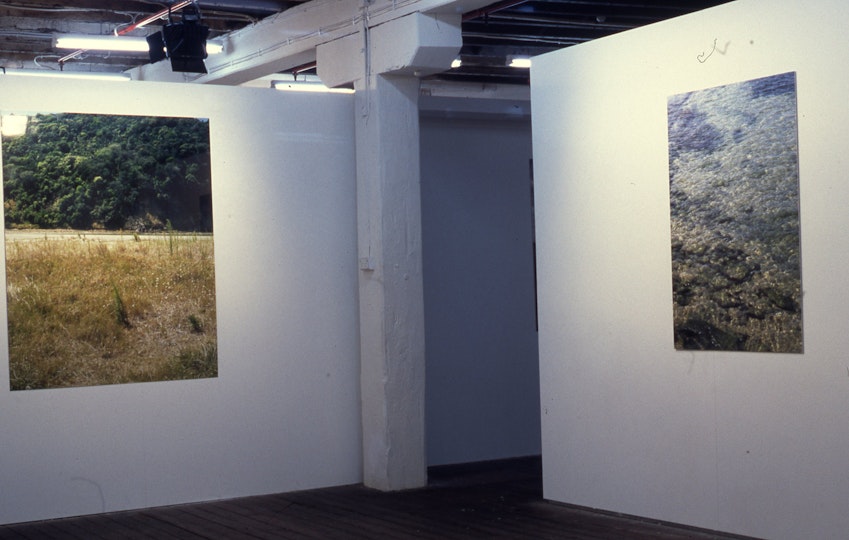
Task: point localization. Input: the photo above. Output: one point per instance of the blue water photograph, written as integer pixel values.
(734, 206)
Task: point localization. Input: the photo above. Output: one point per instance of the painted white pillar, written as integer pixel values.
(392, 355)
(384, 63)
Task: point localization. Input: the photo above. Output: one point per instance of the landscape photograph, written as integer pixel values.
(109, 253)
(735, 226)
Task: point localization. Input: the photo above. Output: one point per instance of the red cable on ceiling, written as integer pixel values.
(144, 22)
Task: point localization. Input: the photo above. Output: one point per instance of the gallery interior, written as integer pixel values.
(424, 256)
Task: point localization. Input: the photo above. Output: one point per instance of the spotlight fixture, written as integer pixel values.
(184, 42)
(156, 47)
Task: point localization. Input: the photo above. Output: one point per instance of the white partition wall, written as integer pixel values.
(749, 443)
(283, 413)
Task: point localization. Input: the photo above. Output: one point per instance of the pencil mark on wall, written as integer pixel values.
(703, 57)
(97, 487)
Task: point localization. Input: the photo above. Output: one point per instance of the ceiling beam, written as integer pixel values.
(289, 39)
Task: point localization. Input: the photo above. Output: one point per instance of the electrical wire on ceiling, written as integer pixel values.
(39, 57)
(25, 34)
(228, 16)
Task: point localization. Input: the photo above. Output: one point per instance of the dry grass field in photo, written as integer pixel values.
(106, 308)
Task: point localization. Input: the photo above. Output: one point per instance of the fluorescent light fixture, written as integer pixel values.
(520, 62)
(90, 75)
(117, 43)
(309, 84)
(13, 125)
(101, 43)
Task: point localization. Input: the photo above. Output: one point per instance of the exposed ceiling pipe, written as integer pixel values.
(536, 20)
(257, 7)
(297, 70)
(506, 4)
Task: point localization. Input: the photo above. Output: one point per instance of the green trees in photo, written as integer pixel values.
(84, 171)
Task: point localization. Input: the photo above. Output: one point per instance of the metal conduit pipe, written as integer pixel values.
(252, 7)
(506, 4)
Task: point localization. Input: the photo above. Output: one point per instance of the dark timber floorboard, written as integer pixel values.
(491, 500)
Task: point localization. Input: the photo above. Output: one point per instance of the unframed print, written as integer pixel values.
(734, 194)
(109, 250)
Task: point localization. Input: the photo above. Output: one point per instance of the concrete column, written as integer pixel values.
(391, 303)
(384, 63)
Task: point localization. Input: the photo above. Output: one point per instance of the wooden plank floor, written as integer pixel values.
(497, 500)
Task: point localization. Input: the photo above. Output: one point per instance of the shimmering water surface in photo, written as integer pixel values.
(734, 195)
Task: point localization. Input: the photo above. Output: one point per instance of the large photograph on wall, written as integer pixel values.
(110, 272)
(734, 195)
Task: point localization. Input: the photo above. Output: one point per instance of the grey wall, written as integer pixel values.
(482, 387)
(283, 414)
